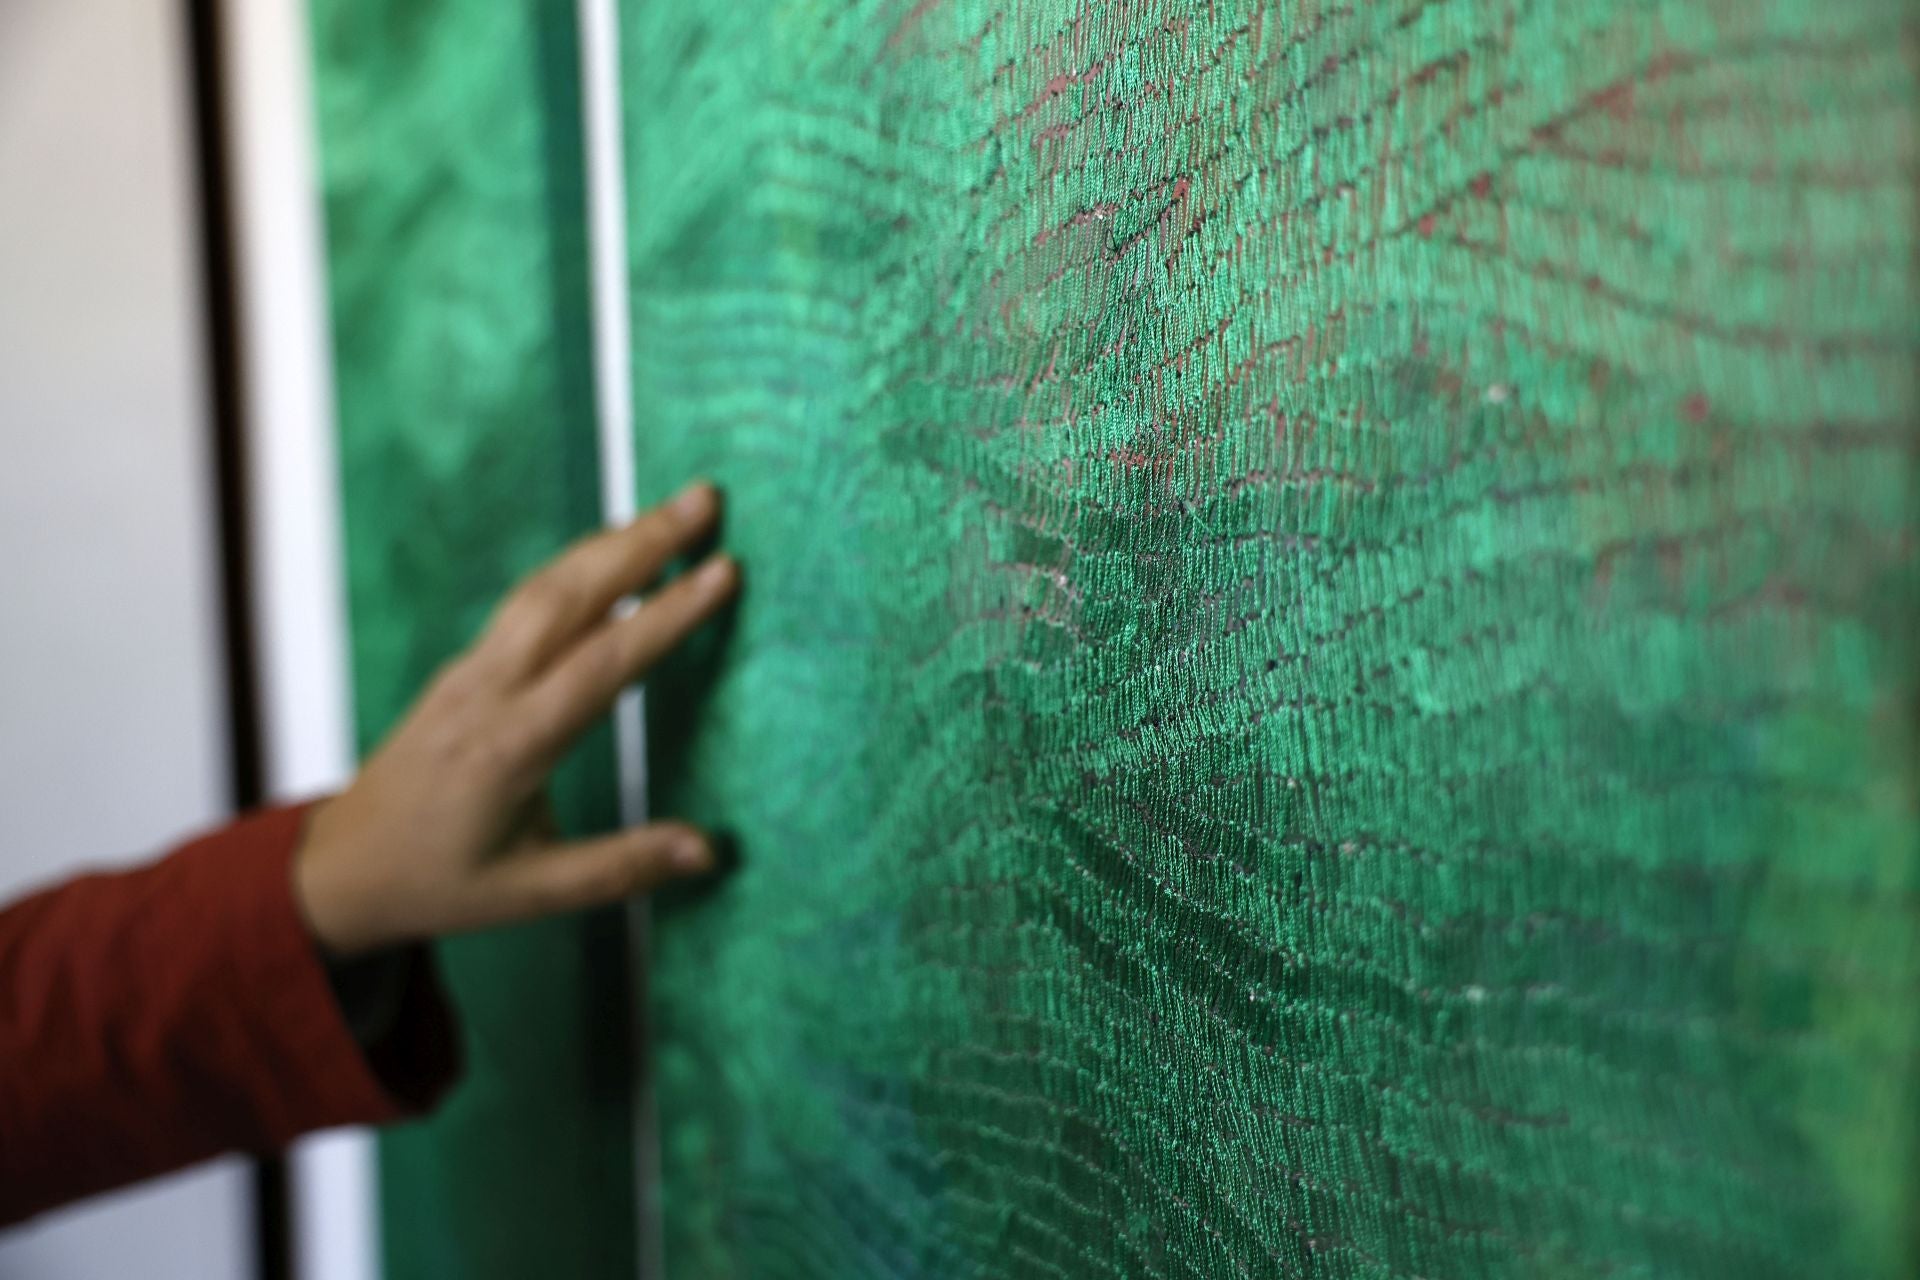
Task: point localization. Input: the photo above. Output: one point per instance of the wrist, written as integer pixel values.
(325, 902)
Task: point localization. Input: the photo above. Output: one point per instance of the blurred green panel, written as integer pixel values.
(451, 159)
(1327, 678)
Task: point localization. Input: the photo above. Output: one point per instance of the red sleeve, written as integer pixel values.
(156, 1017)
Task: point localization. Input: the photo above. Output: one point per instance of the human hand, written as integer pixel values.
(446, 827)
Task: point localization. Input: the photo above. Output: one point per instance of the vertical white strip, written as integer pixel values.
(299, 591)
(607, 238)
(599, 22)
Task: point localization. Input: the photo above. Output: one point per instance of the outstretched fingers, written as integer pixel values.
(583, 682)
(548, 612)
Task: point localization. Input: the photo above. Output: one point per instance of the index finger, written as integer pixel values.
(547, 612)
(581, 686)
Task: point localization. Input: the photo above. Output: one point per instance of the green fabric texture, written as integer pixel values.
(451, 161)
(1326, 681)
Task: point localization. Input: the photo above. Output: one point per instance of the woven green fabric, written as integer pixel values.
(451, 158)
(1326, 684)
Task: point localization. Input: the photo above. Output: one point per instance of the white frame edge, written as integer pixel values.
(299, 584)
(600, 106)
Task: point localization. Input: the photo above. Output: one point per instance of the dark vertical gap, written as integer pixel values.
(273, 1225)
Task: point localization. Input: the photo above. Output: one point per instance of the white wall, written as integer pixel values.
(111, 701)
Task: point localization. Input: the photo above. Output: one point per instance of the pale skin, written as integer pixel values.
(446, 827)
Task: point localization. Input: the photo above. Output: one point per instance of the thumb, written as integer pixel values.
(587, 873)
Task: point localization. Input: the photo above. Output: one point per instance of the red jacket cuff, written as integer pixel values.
(329, 1078)
(156, 1017)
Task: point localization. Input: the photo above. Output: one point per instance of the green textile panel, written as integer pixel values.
(452, 169)
(1326, 684)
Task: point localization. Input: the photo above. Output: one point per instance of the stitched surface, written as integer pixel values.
(1326, 684)
(451, 162)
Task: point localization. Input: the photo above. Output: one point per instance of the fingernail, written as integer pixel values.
(716, 572)
(691, 853)
(692, 501)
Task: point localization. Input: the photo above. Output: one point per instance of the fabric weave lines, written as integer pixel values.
(1326, 684)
